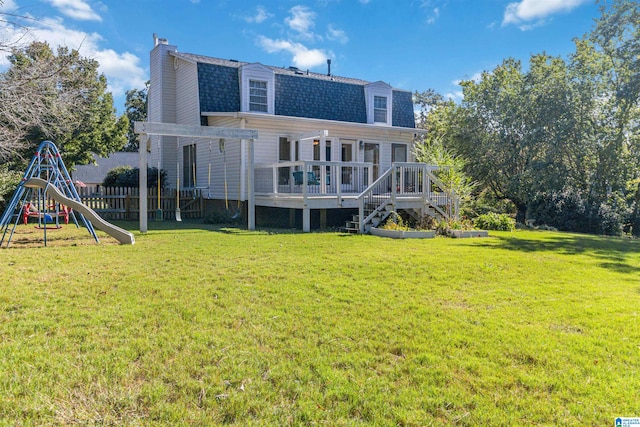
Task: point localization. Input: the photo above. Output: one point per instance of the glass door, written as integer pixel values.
(347, 155)
(372, 155)
(284, 155)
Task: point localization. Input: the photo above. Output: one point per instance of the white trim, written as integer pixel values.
(322, 123)
(383, 90)
(257, 72)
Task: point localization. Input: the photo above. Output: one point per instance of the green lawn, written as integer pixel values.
(205, 326)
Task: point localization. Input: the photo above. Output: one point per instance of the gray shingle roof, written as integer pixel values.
(298, 93)
(291, 71)
(95, 174)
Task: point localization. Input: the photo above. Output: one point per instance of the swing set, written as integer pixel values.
(146, 129)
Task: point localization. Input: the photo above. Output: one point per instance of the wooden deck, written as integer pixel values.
(336, 185)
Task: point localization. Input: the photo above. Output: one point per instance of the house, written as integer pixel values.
(328, 147)
(93, 175)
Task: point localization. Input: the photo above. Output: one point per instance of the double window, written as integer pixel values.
(258, 99)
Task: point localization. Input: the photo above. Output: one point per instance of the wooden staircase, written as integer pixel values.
(410, 187)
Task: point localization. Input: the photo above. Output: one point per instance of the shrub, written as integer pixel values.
(494, 221)
(608, 220)
(394, 222)
(569, 211)
(222, 217)
(126, 176)
(443, 226)
(9, 180)
(564, 209)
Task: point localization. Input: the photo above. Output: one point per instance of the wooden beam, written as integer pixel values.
(191, 131)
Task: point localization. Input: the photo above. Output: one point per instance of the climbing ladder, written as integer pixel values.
(46, 164)
(405, 186)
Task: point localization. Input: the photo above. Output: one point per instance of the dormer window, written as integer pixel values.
(257, 87)
(378, 97)
(258, 96)
(380, 109)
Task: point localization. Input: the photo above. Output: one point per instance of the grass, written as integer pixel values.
(199, 325)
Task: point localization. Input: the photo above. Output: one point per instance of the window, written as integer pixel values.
(257, 89)
(380, 109)
(378, 97)
(258, 100)
(189, 165)
(399, 153)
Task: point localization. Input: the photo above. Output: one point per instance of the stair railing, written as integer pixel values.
(405, 179)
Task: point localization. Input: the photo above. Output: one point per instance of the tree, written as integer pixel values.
(439, 116)
(126, 176)
(606, 68)
(136, 108)
(17, 22)
(60, 97)
(497, 136)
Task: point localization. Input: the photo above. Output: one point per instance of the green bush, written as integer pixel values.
(494, 221)
(9, 180)
(223, 217)
(126, 176)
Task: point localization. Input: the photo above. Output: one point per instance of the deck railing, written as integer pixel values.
(313, 178)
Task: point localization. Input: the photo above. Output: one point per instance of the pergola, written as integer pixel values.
(146, 129)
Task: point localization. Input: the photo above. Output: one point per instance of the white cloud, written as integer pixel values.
(434, 16)
(525, 11)
(260, 16)
(337, 35)
(76, 9)
(475, 77)
(8, 6)
(302, 56)
(455, 96)
(301, 19)
(123, 70)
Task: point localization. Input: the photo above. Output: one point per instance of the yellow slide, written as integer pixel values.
(121, 235)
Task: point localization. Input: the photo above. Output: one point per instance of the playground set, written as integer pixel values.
(47, 193)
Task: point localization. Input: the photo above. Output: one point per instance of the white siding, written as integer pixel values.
(231, 157)
(266, 146)
(162, 107)
(188, 113)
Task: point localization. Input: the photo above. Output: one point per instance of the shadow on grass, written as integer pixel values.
(197, 225)
(613, 252)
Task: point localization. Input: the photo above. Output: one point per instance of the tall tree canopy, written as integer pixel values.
(61, 97)
(561, 139)
(136, 107)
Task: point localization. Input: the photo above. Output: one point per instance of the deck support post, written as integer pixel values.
(323, 219)
(251, 214)
(292, 218)
(142, 175)
(306, 220)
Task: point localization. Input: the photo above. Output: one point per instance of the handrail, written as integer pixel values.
(329, 178)
(400, 180)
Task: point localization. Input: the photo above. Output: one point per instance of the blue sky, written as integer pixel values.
(410, 44)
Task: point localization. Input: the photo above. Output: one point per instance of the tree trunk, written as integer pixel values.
(635, 219)
(521, 214)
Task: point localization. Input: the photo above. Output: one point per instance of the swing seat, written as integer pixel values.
(47, 217)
